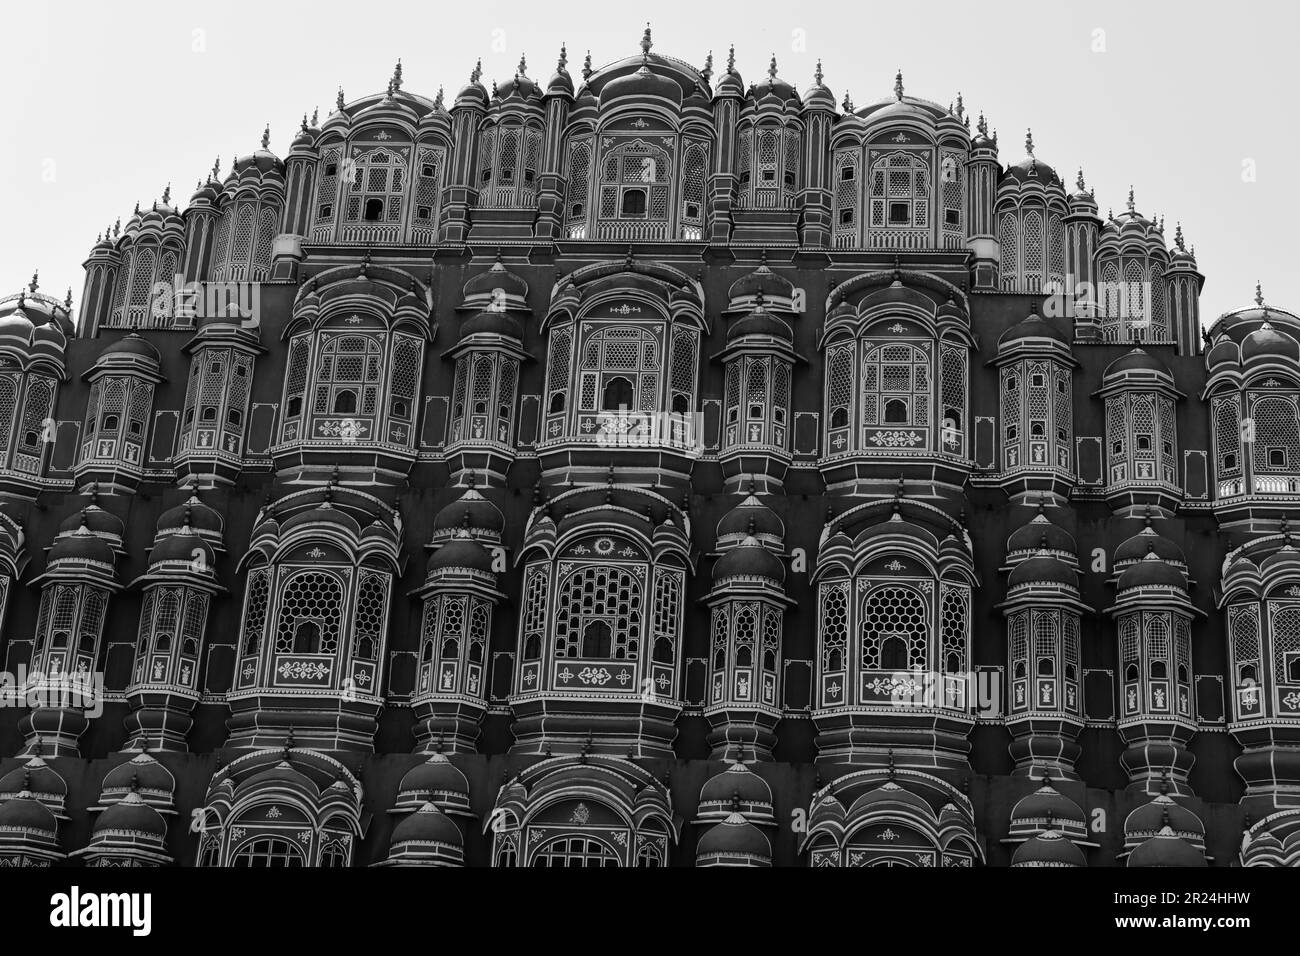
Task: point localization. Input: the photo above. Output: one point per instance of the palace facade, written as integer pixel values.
(647, 468)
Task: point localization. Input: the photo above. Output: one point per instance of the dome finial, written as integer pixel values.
(707, 72)
(522, 69)
(1259, 294)
(36, 281)
(646, 41)
(1131, 204)
(315, 116)
(338, 100)
(216, 168)
(266, 137)
(477, 73)
(771, 67)
(961, 106)
(586, 66)
(1178, 237)
(731, 59)
(898, 86)
(437, 100)
(1078, 181)
(817, 73)
(848, 102)
(397, 76)
(564, 58)
(1029, 142)
(167, 195)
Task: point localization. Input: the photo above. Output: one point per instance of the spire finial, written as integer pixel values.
(564, 58)
(1029, 142)
(216, 168)
(707, 72)
(1178, 237)
(167, 195)
(397, 76)
(1131, 203)
(646, 42)
(1078, 181)
(437, 100)
(961, 106)
(771, 67)
(266, 136)
(522, 69)
(731, 59)
(981, 125)
(1259, 294)
(477, 73)
(817, 73)
(898, 85)
(315, 116)
(848, 102)
(586, 66)
(36, 281)
(338, 100)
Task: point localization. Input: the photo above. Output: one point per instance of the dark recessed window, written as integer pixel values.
(692, 211)
(326, 211)
(423, 212)
(1144, 442)
(846, 172)
(374, 210)
(899, 215)
(1277, 457)
(578, 210)
(634, 202)
(846, 217)
(426, 170)
(952, 217)
(331, 169)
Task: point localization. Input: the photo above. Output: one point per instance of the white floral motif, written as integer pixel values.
(303, 670)
(580, 815)
(896, 439)
(595, 675)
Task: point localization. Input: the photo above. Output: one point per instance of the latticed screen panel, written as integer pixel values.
(1284, 628)
(1055, 249)
(327, 188)
(1012, 427)
(665, 616)
(1276, 430)
(532, 622)
(1227, 435)
(1009, 241)
(598, 612)
(310, 617)
(579, 187)
(894, 629)
(1063, 416)
(1032, 252)
(370, 620)
(839, 397)
(954, 629)
(834, 629)
(694, 169)
(847, 197)
(38, 409)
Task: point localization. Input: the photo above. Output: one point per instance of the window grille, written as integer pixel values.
(310, 619)
(894, 614)
(608, 596)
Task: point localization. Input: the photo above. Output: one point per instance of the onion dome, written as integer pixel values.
(1163, 812)
(1166, 848)
(40, 780)
(461, 553)
(1030, 328)
(184, 550)
(206, 193)
(760, 322)
(95, 519)
(734, 842)
(1267, 342)
(426, 837)
(470, 512)
(1145, 542)
(520, 86)
(25, 816)
(323, 514)
(132, 346)
(751, 518)
(436, 780)
(736, 790)
(1047, 809)
(763, 282)
(132, 817)
(473, 93)
(260, 160)
(1151, 571)
(143, 775)
(561, 84)
(81, 547)
(731, 84)
(1049, 848)
(981, 141)
(1031, 170)
(775, 87)
(492, 323)
(282, 774)
(194, 514)
(749, 560)
(1043, 568)
(162, 214)
(818, 95)
(496, 289)
(1040, 534)
(645, 83)
(1131, 227)
(1083, 199)
(1180, 256)
(1137, 364)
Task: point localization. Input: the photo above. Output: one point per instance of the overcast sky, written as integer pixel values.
(105, 103)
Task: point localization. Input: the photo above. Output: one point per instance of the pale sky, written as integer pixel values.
(105, 103)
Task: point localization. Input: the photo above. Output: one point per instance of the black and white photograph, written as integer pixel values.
(516, 436)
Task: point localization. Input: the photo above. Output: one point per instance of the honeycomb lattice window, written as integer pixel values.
(694, 170)
(310, 614)
(1009, 242)
(1018, 643)
(1284, 627)
(370, 621)
(1031, 253)
(834, 626)
(594, 600)
(255, 606)
(895, 384)
(1276, 446)
(847, 197)
(954, 628)
(952, 387)
(1227, 436)
(1243, 627)
(664, 616)
(576, 207)
(894, 629)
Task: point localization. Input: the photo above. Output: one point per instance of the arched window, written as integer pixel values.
(895, 628)
(574, 851)
(617, 394)
(377, 188)
(628, 358)
(596, 640)
(268, 852)
(896, 384)
(599, 607)
(847, 196)
(635, 180)
(310, 614)
(900, 191)
(508, 164)
(579, 187)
